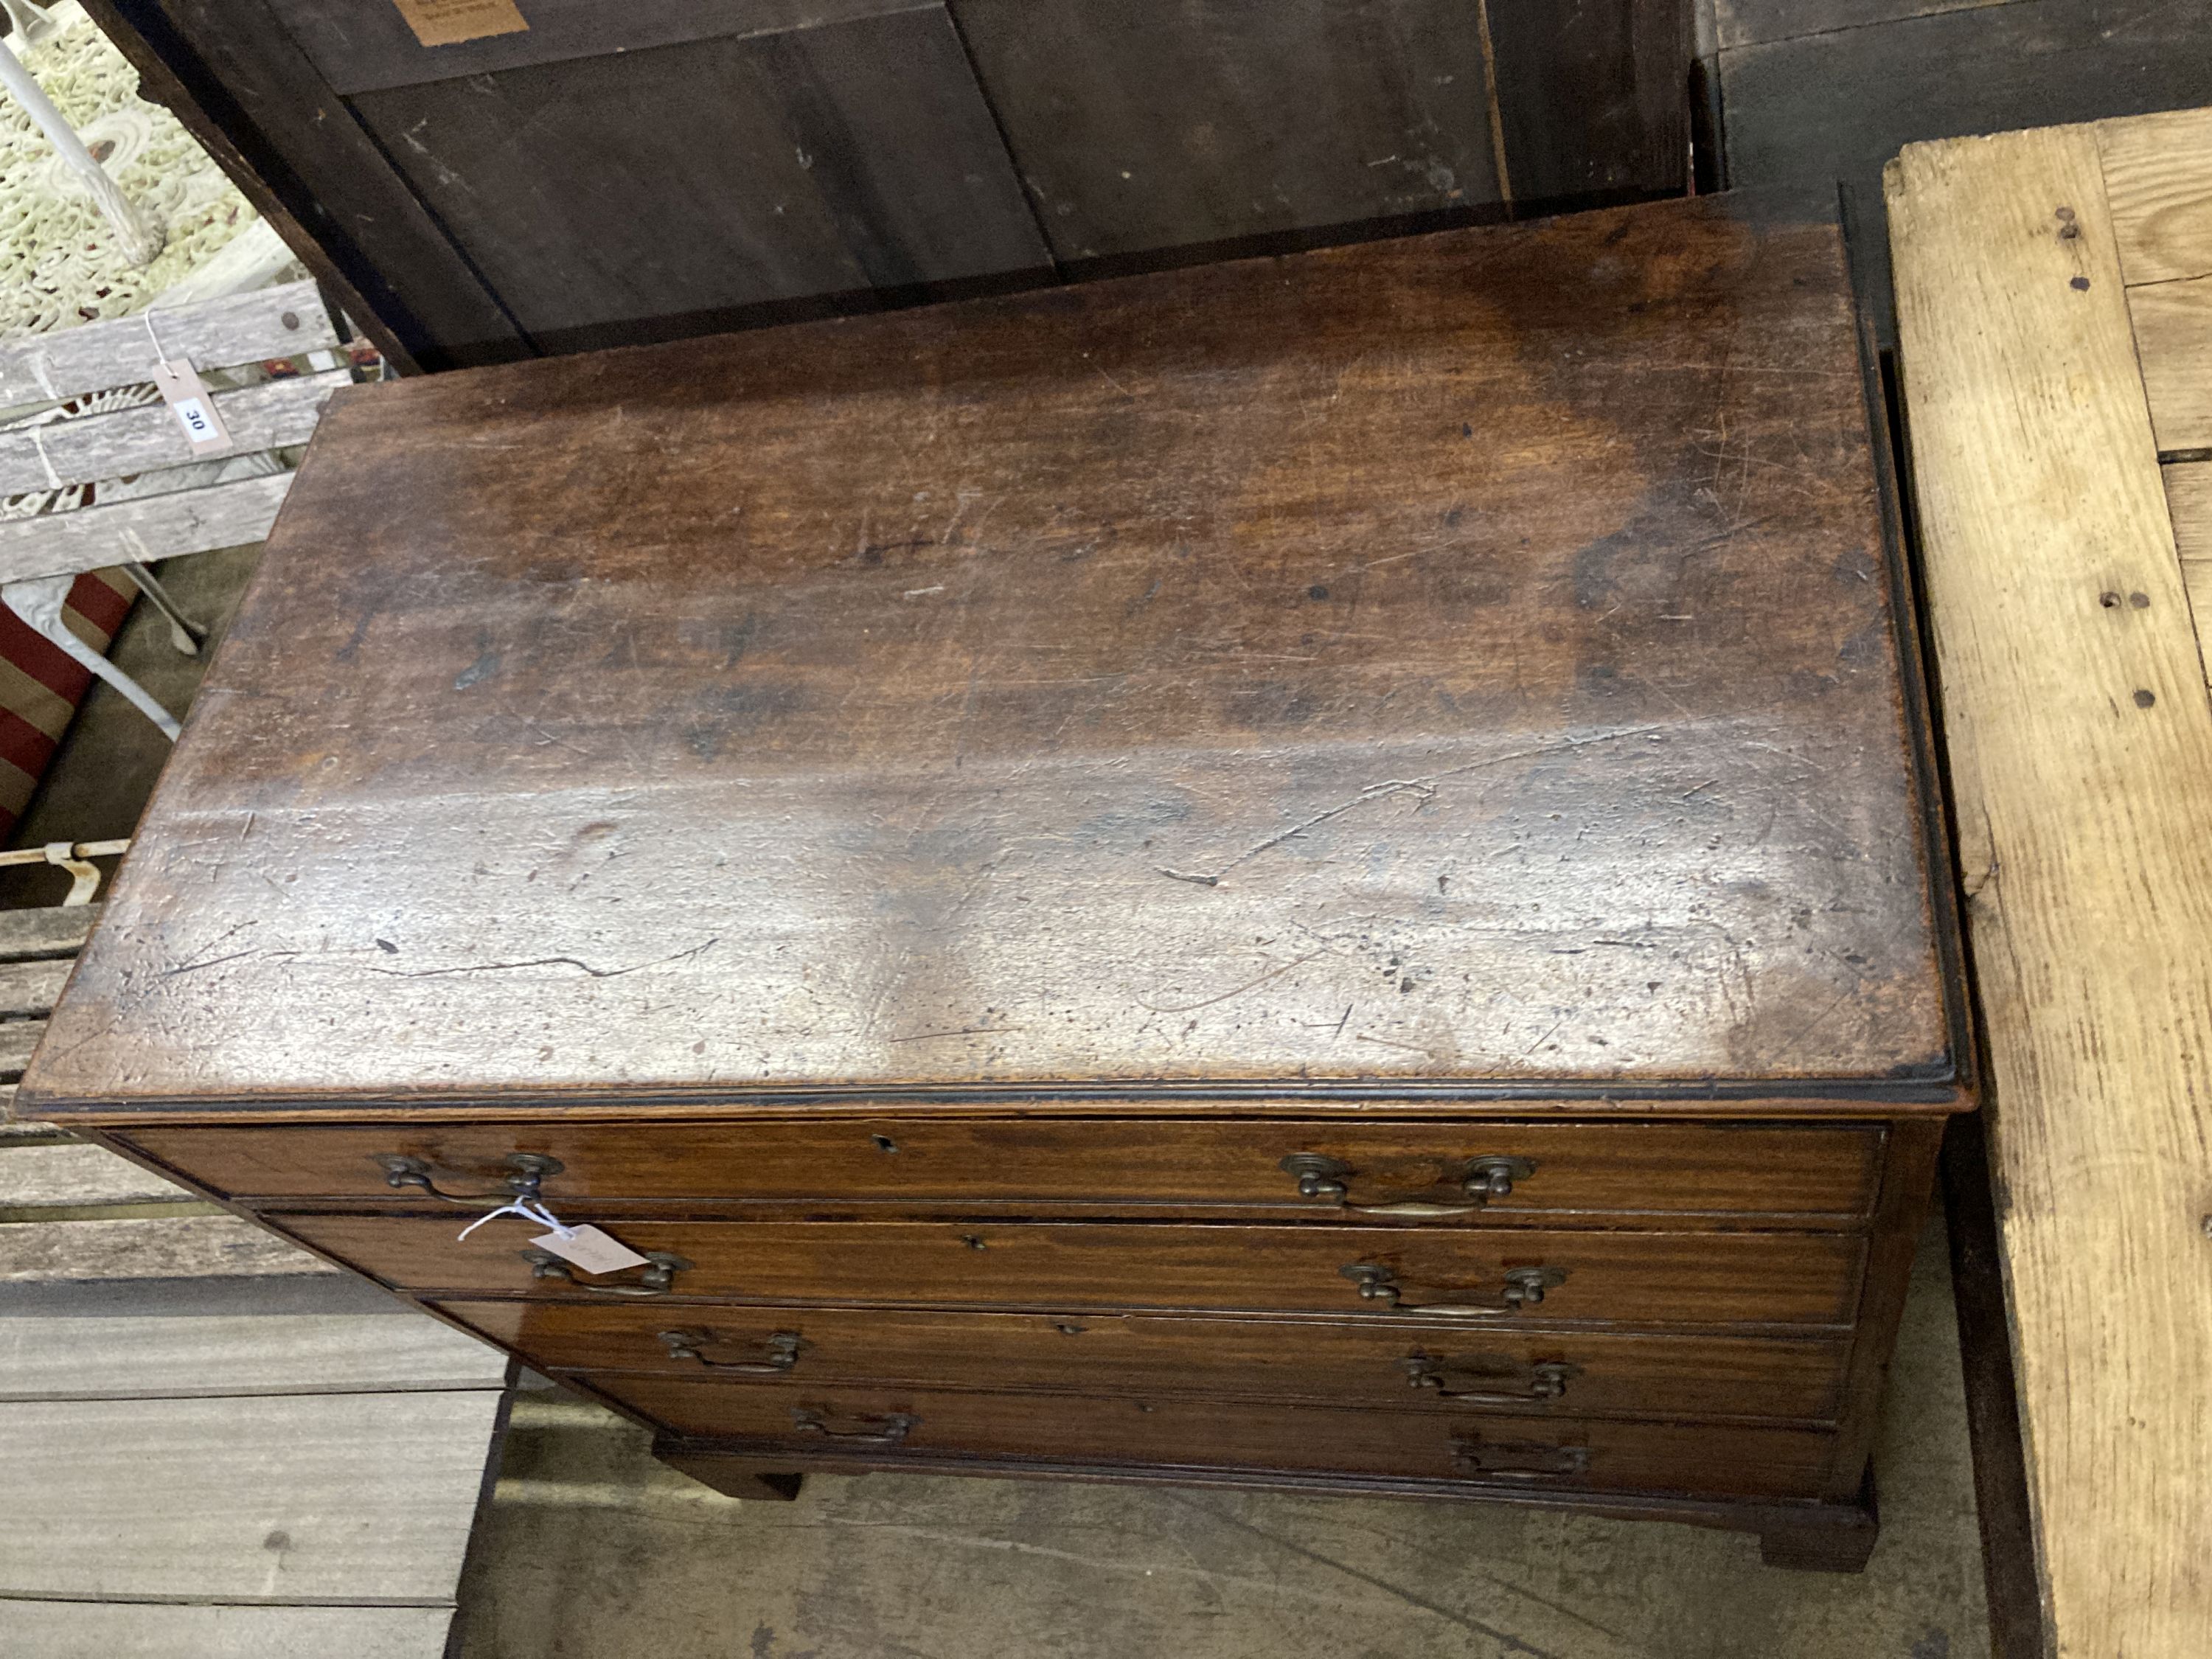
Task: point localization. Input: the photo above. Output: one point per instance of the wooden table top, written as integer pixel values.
(1464, 664)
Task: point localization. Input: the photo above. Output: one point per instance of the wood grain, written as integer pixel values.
(364, 48)
(2081, 748)
(240, 328)
(265, 416)
(55, 931)
(1639, 1278)
(264, 108)
(102, 1630)
(315, 1496)
(30, 988)
(1513, 728)
(149, 1357)
(1172, 1433)
(2158, 179)
(1814, 1175)
(142, 529)
(1142, 126)
(823, 161)
(47, 1177)
(1348, 1363)
(2189, 504)
(191, 1247)
(19, 1040)
(2173, 344)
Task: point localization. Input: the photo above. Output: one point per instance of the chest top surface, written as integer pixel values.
(1464, 662)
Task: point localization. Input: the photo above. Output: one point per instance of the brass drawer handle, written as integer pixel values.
(811, 1420)
(1547, 1380)
(656, 1278)
(1481, 1179)
(402, 1170)
(782, 1351)
(1518, 1459)
(1524, 1288)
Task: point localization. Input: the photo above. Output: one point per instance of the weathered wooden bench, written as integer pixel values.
(211, 1444)
(118, 480)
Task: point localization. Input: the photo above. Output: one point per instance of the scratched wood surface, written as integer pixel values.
(2081, 748)
(1465, 659)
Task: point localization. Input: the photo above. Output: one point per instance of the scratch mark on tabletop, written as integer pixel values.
(545, 962)
(1250, 984)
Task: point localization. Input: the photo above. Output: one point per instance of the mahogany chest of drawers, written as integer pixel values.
(1313, 873)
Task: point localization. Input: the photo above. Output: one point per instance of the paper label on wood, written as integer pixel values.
(181, 387)
(593, 1251)
(442, 22)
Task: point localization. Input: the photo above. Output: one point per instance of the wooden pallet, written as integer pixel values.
(2054, 293)
(212, 1446)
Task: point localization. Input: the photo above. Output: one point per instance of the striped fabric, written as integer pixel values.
(40, 687)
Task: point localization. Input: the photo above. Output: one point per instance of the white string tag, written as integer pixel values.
(189, 400)
(593, 1251)
(586, 1247)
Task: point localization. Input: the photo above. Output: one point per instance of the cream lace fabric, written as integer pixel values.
(57, 266)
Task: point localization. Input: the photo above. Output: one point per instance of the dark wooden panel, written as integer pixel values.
(1645, 1278)
(1803, 114)
(775, 168)
(295, 138)
(363, 45)
(1594, 98)
(1140, 124)
(1567, 1454)
(1370, 1364)
(1809, 1174)
(1460, 662)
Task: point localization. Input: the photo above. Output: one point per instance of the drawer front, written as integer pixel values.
(1383, 1364)
(877, 1427)
(1819, 1175)
(1453, 1276)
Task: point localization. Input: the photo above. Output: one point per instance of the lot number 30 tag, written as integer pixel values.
(181, 387)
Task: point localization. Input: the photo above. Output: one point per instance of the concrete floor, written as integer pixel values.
(591, 1550)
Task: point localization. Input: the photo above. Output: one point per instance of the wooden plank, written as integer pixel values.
(2173, 338)
(30, 988)
(1593, 100)
(906, 183)
(66, 1176)
(243, 328)
(134, 440)
(1147, 126)
(190, 1247)
(12, 1133)
(367, 48)
(2189, 504)
(1755, 22)
(146, 528)
(158, 1357)
(56, 930)
(110, 1629)
(2158, 174)
(18, 1039)
(349, 1497)
(2080, 747)
(255, 98)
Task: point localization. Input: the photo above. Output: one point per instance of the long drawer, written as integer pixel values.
(1376, 1364)
(1822, 1175)
(1453, 1276)
(880, 1427)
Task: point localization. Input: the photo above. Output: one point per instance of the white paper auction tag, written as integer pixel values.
(591, 1249)
(188, 400)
